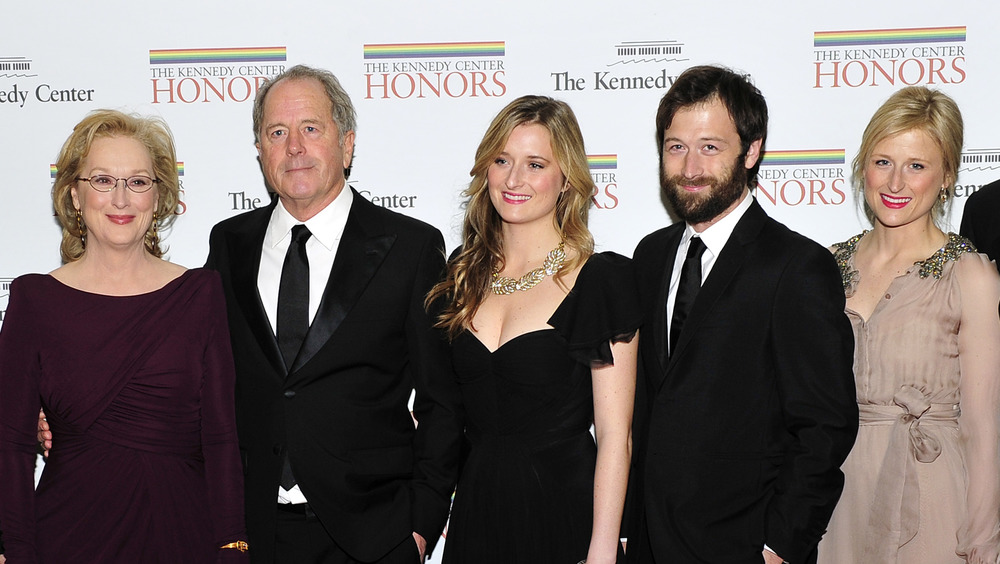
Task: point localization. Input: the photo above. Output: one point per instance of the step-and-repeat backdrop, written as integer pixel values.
(427, 78)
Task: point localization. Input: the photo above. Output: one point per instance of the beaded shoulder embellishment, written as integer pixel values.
(931, 266)
(954, 248)
(843, 255)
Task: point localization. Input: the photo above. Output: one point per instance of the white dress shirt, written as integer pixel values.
(327, 228)
(715, 238)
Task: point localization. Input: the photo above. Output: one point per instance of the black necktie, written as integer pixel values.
(293, 296)
(293, 313)
(687, 289)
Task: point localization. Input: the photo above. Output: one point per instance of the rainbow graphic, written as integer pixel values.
(434, 50)
(889, 36)
(599, 162)
(53, 169)
(803, 157)
(220, 55)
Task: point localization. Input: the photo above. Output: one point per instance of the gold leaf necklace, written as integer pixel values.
(553, 263)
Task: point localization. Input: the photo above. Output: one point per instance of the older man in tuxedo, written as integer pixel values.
(745, 404)
(325, 294)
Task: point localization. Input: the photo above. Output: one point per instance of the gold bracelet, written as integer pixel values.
(241, 546)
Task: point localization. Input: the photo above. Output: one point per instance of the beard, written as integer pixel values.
(704, 206)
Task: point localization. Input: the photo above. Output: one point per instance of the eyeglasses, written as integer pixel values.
(107, 183)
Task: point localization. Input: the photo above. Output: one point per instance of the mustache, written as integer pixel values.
(703, 180)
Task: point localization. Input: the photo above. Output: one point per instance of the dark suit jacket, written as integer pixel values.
(981, 220)
(341, 413)
(741, 432)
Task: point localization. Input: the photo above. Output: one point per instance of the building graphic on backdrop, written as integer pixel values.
(399, 71)
(635, 65)
(927, 56)
(19, 86)
(223, 74)
(803, 177)
(603, 171)
(15, 67)
(980, 159)
(630, 52)
(4, 295)
(977, 167)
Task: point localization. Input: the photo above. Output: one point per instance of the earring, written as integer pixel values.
(944, 195)
(154, 236)
(81, 229)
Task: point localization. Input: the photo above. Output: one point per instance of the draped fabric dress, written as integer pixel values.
(905, 496)
(526, 491)
(138, 392)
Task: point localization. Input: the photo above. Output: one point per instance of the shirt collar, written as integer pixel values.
(327, 226)
(717, 235)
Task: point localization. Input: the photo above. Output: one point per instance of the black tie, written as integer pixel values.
(688, 288)
(293, 313)
(293, 296)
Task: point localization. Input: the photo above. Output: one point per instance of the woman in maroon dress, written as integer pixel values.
(129, 356)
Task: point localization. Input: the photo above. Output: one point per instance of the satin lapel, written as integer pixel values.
(362, 249)
(245, 248)
(732, 258)
(666, 269)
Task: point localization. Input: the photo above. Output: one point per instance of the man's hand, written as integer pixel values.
(772, 558)
(421, 546)
(44, 438)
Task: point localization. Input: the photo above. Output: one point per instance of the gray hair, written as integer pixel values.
(341, 107)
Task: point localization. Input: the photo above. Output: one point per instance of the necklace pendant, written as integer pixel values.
(553, 263)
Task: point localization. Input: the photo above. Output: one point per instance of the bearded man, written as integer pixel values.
(745, 402)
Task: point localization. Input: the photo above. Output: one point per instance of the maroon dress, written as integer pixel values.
(138, 392)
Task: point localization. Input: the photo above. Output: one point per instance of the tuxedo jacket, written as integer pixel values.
(741, 431)
(341, 412)
(981, 220)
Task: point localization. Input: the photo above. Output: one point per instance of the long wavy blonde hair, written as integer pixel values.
(470, 271)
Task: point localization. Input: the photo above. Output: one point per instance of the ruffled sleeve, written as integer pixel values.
(602, 308)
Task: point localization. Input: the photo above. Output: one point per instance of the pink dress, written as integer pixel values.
(905, 496)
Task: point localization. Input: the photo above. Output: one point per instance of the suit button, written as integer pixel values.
(289, 394)
(276, 449)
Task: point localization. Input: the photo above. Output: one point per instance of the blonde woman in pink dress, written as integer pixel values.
(923, 481)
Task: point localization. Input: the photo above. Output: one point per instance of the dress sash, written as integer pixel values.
(895, 510)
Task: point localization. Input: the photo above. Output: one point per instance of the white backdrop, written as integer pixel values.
(427, 79)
